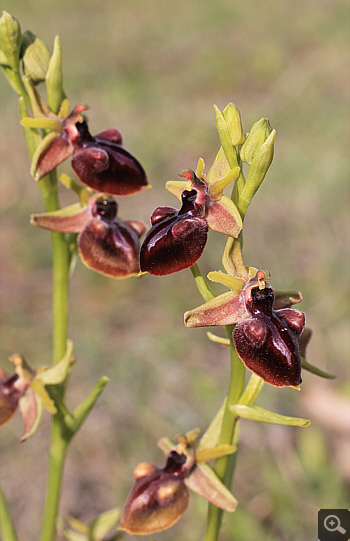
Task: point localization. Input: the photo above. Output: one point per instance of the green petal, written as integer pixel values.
(219, 169)
(37, 387)
(235, 284)
(176, 187)
(255, 413)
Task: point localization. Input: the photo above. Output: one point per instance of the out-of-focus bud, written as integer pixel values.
(10, 41)
(234, 124)
(54, 78)
(258, 134)
(35, 56)
(257, 171)
(159, 497)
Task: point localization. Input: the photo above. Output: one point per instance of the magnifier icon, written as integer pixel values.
(332, 524)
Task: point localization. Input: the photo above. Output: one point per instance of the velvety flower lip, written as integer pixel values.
(268, 340)
(158, 498)
(266, 337)
(177, 238)
(105, 244)
(100, 161)
(103, 164)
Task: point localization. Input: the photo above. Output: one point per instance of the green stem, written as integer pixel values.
(60, 436)
(58, 449)
(7, 528)
(224, 466)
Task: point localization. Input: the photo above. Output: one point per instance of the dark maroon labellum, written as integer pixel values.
(104, 165)
(267, 341)
(177, 238)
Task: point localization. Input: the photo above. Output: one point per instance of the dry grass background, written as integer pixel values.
(154, 70)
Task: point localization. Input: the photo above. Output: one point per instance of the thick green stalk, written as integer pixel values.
(224, 466)
(60, 437)
(7, 528)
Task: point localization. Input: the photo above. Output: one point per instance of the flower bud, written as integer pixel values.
(35, 56)
(234, 124)
(10, 40)
(54, 78)
(257, 137)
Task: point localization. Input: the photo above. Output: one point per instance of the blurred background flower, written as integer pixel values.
(154, 70)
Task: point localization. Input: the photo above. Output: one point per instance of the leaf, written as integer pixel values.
(255, 413)
(100, 527)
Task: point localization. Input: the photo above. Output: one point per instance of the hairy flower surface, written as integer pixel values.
(266, 336)
(177, 238)
(105, 244)
(100, 161)
(158, 498)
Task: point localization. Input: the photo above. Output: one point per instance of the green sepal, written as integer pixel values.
(211, 436)
(258, 134)
(255, 413)
(54, 78)
(205, 482)
(219, 169)
(31, 409)
(35, 56)
(225, 309)
(234, 124)
(252, 390)
(314, 370)
(225, 138)
(232, 259)
(10, 41)
(39, 107)
(58, 373)
(69, 219)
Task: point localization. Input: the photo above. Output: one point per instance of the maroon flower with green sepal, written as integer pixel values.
(105, 244)
(100, 161)
(267, 331)
(177, 238)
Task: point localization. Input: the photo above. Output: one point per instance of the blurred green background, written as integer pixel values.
(154, 69)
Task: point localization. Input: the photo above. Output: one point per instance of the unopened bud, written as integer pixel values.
(258, 134)
(10, 41)
(234, 124)
(35, 56)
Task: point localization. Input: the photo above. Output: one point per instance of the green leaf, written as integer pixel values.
(100, 527)
(255, 413)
